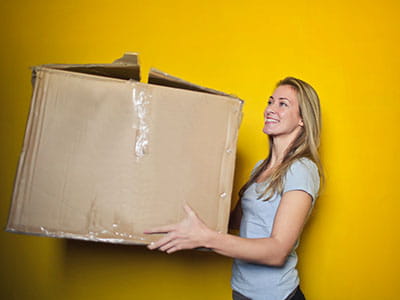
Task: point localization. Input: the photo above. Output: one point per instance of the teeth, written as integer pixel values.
(271, 120)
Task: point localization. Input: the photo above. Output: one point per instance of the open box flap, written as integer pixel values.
(161, 78)
(127, 67)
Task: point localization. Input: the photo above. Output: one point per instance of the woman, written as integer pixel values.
(274, 204)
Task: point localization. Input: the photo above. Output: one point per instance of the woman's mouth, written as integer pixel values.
(270, 120)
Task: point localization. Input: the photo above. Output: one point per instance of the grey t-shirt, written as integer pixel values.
(262, 282)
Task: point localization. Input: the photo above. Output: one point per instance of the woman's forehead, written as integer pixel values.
(285, 91)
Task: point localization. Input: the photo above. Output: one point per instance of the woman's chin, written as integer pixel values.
(268, 131)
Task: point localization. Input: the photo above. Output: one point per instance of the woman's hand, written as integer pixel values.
(190, 233)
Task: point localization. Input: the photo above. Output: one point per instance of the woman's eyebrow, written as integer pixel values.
(280, 98)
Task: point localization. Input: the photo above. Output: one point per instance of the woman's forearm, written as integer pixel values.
(268, 251)
(288, 224)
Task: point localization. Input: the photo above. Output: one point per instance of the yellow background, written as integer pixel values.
(348, 50)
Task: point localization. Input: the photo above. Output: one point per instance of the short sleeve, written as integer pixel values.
(303, 175)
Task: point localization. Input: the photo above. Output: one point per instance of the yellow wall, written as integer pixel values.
(349, 50)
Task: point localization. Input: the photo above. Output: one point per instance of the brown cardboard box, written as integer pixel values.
(105, 156)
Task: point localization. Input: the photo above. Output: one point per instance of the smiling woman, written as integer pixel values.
(275, 202)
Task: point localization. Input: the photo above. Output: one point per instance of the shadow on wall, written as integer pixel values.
(78, 253)
(79, 249)
(99, 270)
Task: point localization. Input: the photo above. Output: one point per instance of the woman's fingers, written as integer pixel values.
(168, 246)
(173, 249)
(161, 242)
(183, 235)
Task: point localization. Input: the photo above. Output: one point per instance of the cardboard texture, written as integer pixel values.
(106, 157)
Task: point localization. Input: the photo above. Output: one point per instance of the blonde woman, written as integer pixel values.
(274, 204)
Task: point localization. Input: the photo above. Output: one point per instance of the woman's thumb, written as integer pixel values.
(189, 211)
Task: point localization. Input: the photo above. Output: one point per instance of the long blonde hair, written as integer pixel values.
(306, 143)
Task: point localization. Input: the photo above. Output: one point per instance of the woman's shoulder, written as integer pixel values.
(303, 167)
(303, 175)
(304, 162)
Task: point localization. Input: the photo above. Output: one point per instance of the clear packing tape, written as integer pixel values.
(140, 100)
(98, 236)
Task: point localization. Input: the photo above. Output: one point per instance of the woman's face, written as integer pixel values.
(282, 115)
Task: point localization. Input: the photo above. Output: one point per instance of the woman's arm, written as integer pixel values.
(288, 224)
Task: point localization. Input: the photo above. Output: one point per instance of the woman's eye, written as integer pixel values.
(269, 102)
(283, 104)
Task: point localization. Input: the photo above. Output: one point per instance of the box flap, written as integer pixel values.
(127, 67)
(161, 78)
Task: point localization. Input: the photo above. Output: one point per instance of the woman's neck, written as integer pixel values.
(280, 145)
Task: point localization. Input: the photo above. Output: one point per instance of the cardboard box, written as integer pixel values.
(105, 156)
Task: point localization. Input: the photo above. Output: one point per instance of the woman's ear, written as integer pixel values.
(301, 123)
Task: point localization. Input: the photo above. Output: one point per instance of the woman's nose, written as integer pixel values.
(270, 109)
